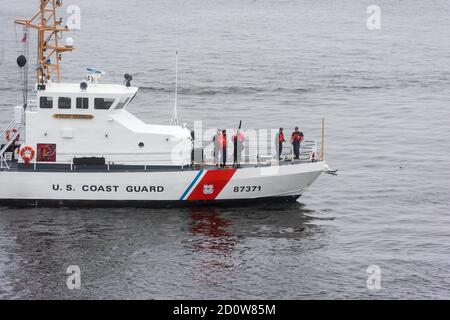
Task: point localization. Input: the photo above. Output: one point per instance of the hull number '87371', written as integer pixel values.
(247, 188)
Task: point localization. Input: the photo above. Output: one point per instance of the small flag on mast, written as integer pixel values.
(24, 38)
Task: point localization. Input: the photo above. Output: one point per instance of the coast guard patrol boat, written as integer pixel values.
(76, 143)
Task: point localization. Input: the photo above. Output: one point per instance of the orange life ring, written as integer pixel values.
(9, 132)
(27, 153)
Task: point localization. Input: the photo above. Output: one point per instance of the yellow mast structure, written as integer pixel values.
(50, 32)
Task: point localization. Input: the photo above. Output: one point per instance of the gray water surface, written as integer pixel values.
(385, 95)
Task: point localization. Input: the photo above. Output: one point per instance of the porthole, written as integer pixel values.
(141, 144)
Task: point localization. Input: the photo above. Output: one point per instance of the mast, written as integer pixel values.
(50, 32)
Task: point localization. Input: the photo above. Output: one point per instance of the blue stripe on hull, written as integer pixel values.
(192, 184)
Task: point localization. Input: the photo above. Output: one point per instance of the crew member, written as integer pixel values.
(223, 146)
(238, 147)
(217, 139)
(296, 138)
(279, 139)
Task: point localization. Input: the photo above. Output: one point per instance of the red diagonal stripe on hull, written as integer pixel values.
(215, 179)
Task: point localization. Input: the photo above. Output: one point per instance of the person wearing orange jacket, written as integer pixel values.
(223, 144)
(279, 139)
(217, 139)
(296, 138)
(238, 146)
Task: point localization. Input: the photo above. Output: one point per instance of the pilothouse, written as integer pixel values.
(88, 123)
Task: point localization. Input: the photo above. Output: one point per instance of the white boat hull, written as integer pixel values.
(182, 187)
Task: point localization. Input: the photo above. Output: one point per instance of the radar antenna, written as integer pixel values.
(50, 32)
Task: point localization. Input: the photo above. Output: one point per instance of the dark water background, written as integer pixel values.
(385, 96)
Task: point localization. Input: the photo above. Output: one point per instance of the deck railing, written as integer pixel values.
(10, 126)
(261, 152)
(266, 153)
(5, 143)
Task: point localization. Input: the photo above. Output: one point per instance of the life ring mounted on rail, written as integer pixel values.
(11, 132)
(27, 153)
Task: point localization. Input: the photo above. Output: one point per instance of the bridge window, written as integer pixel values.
(64, 103)
(122, 103)
(46, 102)
(103, 103)
(82, 103)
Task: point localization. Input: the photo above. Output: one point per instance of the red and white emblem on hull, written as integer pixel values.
(208, 189)
(210, 185)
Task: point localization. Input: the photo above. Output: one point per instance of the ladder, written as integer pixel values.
(7, 143)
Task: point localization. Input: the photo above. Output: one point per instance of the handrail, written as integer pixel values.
(252, 154)
(108, 165)
(9, 142)
(263, 160)
(102, 154)
(9, 127)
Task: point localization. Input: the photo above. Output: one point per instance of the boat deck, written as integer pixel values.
(11, 163)
(14, 166)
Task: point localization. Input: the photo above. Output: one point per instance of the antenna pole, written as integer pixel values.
(322, 148)
(24, 71)
(49, 30)
(174, 120)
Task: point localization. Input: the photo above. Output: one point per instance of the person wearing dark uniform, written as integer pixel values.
(224, 147)
(296, 138)
(217, 139)
(279, 139)
(238, 147)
